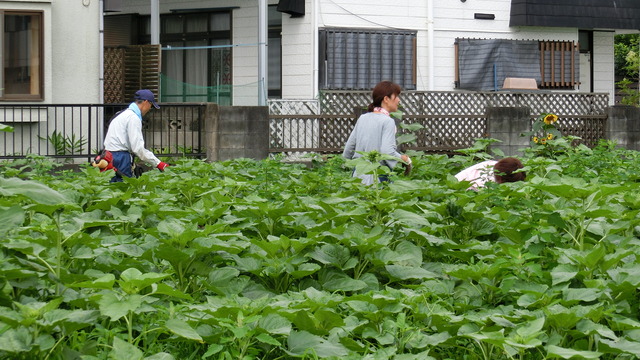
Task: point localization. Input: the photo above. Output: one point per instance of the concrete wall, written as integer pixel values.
(506, 124)
(236, 132)
(623, 126)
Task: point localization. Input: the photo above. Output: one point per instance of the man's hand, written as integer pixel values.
(162, 165)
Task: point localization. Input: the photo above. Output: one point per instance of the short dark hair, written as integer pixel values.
(504, 170)
(384, 88)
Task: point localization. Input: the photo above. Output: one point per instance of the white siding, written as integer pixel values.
(603, 64)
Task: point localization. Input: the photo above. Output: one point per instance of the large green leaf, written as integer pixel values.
(12, 217)
(123, 350)
(181, 328)
(35, 191)
(564, 353)
(116, 308)
(410, 272)
(303, 343)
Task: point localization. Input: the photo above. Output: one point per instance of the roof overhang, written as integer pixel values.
(582, 14)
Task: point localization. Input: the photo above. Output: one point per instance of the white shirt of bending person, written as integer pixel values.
(478, 174)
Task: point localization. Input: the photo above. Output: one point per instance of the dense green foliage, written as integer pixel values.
(627, 66)
(267, 260)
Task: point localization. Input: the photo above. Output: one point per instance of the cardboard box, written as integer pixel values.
(519, 83)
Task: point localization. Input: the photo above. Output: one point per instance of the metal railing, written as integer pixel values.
(76, 131)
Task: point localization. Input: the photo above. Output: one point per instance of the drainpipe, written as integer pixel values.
(155, 22)
(315, 52)
(430, 48)
(262, 52)
(100, 122)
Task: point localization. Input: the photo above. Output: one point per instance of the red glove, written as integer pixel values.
(162, 165)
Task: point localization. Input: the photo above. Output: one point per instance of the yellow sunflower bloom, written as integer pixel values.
(543, 141)
(550, 119)
(535, 139)
(549, 136)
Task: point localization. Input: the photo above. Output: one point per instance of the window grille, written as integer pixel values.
(357, 59)
(559, 64)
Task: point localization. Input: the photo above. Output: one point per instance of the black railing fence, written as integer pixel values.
(76, 131)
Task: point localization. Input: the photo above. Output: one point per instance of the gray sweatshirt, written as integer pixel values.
(373, 131)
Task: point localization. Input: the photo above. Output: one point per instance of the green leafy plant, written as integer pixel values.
(66, 144)
(211, 263)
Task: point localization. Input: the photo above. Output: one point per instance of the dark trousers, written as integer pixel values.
(123, 161)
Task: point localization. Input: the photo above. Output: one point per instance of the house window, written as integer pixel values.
(356, 59)
(22, 61)
(196, 63)
(483, 64)
(275, 53)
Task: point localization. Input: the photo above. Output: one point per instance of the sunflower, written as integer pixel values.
(535, 139)
(549, 136)
(543, 141)
(550, 119)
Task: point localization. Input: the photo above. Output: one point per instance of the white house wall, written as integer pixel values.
(71, 49)
(451, 19)
(603, 63)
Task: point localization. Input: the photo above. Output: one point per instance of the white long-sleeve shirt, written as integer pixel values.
(125, 134)
(478, 174)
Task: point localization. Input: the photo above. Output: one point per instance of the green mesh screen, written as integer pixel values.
(172, 90)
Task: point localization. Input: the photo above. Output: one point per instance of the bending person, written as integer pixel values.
(124, 137)
(500, 171)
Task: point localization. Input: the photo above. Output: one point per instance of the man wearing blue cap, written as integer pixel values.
(124, 137)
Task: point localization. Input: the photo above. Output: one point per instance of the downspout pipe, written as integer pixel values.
(430, 47)
(100, 129)
(262, 52)
(315, 52)
(155, 22)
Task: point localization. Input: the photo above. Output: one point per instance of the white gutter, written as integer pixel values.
(430, 47)
(100, 128)
(155, 22)
(315, 52)
(262, 53)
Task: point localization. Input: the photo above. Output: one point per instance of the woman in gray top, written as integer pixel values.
(376, 130)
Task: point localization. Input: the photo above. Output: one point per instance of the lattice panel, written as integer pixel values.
(294, 107)
(335, 132)
(114, 76)
(470, 103)
(446, 133)
(294, 133)
(451, 119)
(343, 102)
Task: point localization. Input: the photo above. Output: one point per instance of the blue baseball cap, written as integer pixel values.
(145, 94)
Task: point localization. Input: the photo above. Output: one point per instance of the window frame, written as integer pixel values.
(325, 65)
(24, 97)
(184, 36)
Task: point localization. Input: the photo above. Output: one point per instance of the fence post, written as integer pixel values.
(623, 126)
(506, 124)
(233, 132)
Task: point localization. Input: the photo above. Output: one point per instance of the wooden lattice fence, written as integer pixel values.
(450, 119)
(128, 69)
